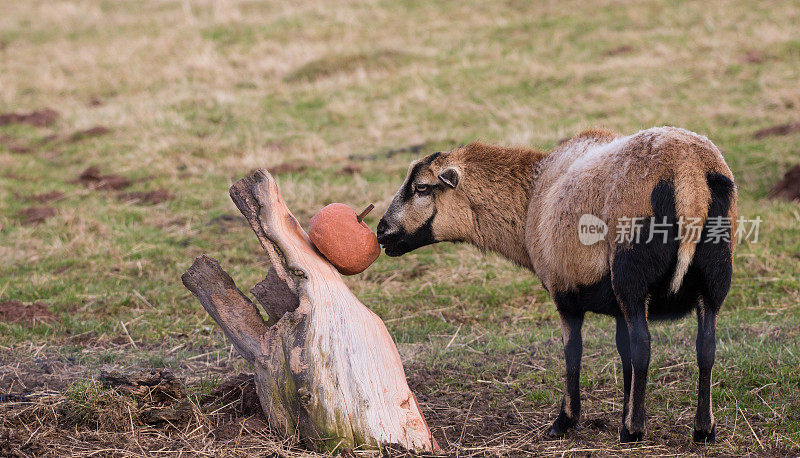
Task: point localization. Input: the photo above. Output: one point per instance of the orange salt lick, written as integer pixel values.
(343, 238)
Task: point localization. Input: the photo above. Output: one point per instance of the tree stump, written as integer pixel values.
(326, 368)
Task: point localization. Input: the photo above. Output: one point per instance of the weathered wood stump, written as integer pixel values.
(326, 368)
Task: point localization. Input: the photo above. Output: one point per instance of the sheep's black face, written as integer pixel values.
(399, 242)
(410, 222)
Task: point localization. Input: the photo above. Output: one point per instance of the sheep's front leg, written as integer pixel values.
(573, 349)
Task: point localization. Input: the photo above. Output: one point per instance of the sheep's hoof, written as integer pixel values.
(704, 437)
(626, 437)
(560, 427)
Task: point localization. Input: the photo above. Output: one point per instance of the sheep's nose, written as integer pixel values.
(382, 226)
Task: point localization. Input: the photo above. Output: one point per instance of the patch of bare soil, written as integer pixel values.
(238, 395)
(290, 167)
(32, 216)
(14, 145)
(20, 149)
(93, 179)
(14, 311)
(619, 50)
(39, 118)
(38, 375)
(227, 222)
(76, 136)
(46, 197)
(332, 64)
(146, 198)
(95, 131)
(411, 149)
(781, 129)
(788, 187)
(350, 169)
(754, 56)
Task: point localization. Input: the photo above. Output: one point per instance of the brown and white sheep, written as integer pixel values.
(527, 205)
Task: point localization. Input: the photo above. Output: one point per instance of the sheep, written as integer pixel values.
(529, 206)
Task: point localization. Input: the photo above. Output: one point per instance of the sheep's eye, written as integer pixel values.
(422, 189)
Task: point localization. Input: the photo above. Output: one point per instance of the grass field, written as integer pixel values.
(184, 98)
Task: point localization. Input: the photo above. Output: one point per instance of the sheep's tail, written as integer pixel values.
(692, 199)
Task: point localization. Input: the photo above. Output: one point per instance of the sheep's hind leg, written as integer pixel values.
(639, 333)
(573, 349)
(704, 428)
(624, 350)
(714, 261)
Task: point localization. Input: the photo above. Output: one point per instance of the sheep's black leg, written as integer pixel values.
(714, 262)
(624, 349)
(635, 269)
(633, 427)
(573, 349)
(704, 429)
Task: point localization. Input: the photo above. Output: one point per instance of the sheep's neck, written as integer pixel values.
(501, 215)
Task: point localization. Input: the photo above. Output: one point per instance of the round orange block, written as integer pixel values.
(349, 244)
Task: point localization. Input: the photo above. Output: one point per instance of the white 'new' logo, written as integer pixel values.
(591, 229)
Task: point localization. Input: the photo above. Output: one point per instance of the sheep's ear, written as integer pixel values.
(449, 176)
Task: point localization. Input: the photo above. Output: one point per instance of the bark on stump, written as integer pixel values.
(326, 368)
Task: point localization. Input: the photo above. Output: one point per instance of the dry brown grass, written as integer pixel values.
(486, 411)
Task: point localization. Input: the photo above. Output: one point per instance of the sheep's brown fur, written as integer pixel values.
(527, 206)
(611, 177)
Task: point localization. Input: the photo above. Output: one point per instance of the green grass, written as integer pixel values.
(197, 97)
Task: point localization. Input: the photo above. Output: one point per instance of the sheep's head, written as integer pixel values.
(430, 207)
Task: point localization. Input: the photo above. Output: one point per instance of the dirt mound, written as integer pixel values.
(788, 187)
(14, 145)
(619, 50)
(332, 64)
(413, 149)
(39, 118)
(290, 167)
(95, 131)
(754, 56)
(237, 395)
(93, 179)
(158, 384)
(46, 197)
(227, 222)
(781, 129)
(76, 136)
(15, 311)
(146, 198)
(20, 149)
(32, 216)
(350, 169)
(159, 394)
